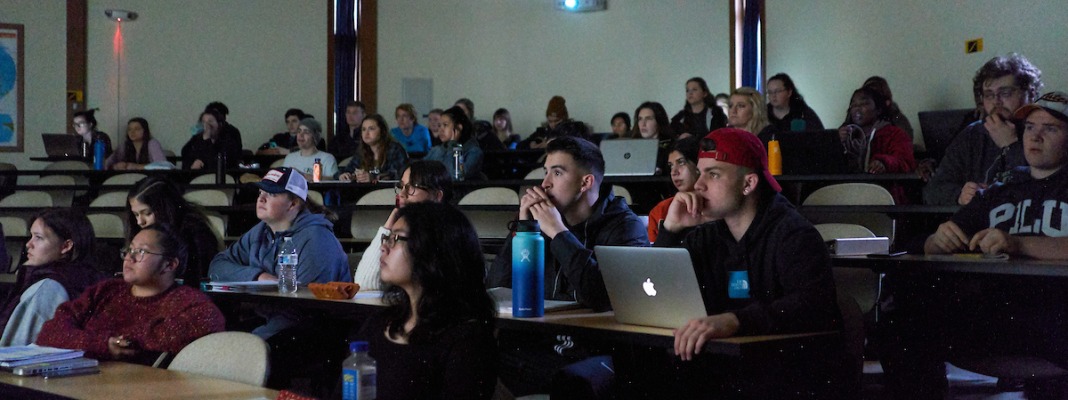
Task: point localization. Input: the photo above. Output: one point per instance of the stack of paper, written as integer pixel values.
(16, 356)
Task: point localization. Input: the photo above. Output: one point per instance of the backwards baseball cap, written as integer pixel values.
(284, 179)
(738, 147)
(1056, 103)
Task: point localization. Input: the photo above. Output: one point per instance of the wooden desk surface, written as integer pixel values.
(124, 381)
(581, 322)
(972, 263)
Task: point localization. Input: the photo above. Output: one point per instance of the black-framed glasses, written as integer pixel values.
(138, 255)
(1003, 93)
(407, 188)
(391, 240)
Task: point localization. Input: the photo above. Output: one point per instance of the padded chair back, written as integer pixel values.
(536, 173)
(365, 222)
(107, 225)
(344, 163)
(208, 198)
(278, 163)
(622, 192)
(208, 179)
(235, 356)
(217, 223)
(853, 194)
(15, 231)
(315, 197)
(60, 197)
(491, 223)
(27, 199)
(67, 165)
(127, 179)
(109, 199)
(379, 197)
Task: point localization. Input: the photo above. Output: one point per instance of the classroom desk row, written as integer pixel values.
(118, 380)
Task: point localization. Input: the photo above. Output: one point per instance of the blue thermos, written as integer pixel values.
(528, 271)
(98, 155)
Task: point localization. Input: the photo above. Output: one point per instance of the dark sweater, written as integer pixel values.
(790, 284)
(459, 363)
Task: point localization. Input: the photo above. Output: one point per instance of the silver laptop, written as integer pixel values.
(62, 144)
(652, 286)
(629, 157)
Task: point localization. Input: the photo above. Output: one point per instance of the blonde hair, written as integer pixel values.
(759, 121)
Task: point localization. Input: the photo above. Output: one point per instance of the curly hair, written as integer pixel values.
(448, 266)
(1028, 77)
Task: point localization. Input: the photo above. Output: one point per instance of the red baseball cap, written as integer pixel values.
(738, 147)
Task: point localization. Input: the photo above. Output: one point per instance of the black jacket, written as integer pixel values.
(790, 284)
(698, 124)
(571, 271)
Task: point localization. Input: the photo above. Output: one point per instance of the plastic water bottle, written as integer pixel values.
(774, 158)
(287, 267)
(528, 270)
(317, 170)
(98, 155)
(458, 163)
(358, 374)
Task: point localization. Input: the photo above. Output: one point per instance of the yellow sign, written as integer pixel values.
(973, 46)
(75, 95)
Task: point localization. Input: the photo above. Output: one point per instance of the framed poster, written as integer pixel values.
(11, 88)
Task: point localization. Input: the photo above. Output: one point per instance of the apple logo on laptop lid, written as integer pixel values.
(648, 287)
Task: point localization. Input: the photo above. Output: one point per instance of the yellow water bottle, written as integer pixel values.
(774, 158)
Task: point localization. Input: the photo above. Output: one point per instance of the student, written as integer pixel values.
(872, 144)
(56, 270)
(555, 115)
(786, 105)
(968, 318)
(139, 148)
(422, 181)
(502, 124)
(203, 149)
(748, 113)
(284, 211)
(699, 115)
(651, 122)
(435, 339)
(143, 314)
(284, 142)
(575, 213)
(457, 129)
(414, 137)
(226, 129)
(620, 125)
(897, 118)
(736, 220)
(380, 156)
(988, 149)
(433, 123)
(157, 200)
(309, 134)
(347, 139)
(682, 163)
(85, 126)
(481, 130)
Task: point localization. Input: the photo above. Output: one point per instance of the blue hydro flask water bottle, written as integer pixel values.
(98, 154)
(528, 271)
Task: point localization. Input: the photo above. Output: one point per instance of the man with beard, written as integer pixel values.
(985, 151)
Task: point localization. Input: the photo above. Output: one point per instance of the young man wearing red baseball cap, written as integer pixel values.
(764, 268)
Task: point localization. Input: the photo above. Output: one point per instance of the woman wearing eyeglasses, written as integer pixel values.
(435, 337)
(423, 181)
(84, 123)
(787, 109)
(56, 270)
(141, 315)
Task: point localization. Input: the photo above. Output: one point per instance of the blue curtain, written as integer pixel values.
(750, 48)
(344, 58)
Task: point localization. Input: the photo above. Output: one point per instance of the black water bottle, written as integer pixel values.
(220, 168)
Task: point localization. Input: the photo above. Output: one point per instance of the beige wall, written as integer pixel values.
(259, 57)
(518, 54)
(829, 47)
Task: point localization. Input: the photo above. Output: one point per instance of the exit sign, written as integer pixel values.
(973, 46)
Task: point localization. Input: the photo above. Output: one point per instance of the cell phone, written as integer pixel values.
(891, 255)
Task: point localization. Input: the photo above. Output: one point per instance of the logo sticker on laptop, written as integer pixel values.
(648, 287)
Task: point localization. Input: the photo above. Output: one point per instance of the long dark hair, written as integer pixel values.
(164, 198)
(663, 126)
(797, 101)
(459, 117)
(447, 263)
(130, 154)
(71, 225)
(172, 245)
(709, 99)
(367, 154)
(432, 175)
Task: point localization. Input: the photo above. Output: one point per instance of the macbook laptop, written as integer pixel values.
(503, 296)
(629, 157)
(62, 144)
(818, 152)
(652, 286)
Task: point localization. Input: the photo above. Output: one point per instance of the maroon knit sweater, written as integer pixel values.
(166, 322)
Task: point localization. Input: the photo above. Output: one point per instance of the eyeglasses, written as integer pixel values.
(77, 125)
(391, 240)
(407, 188)
(138, 255)
(1002, 94)
(775, 92)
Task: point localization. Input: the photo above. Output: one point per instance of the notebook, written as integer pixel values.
(629, 157)
(816, 152)
(651, 286)
(62, 144)
(15, 356)
(503, 296)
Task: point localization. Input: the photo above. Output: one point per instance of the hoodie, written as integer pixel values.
(791, 288)
(37, 291)
(571, 271)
